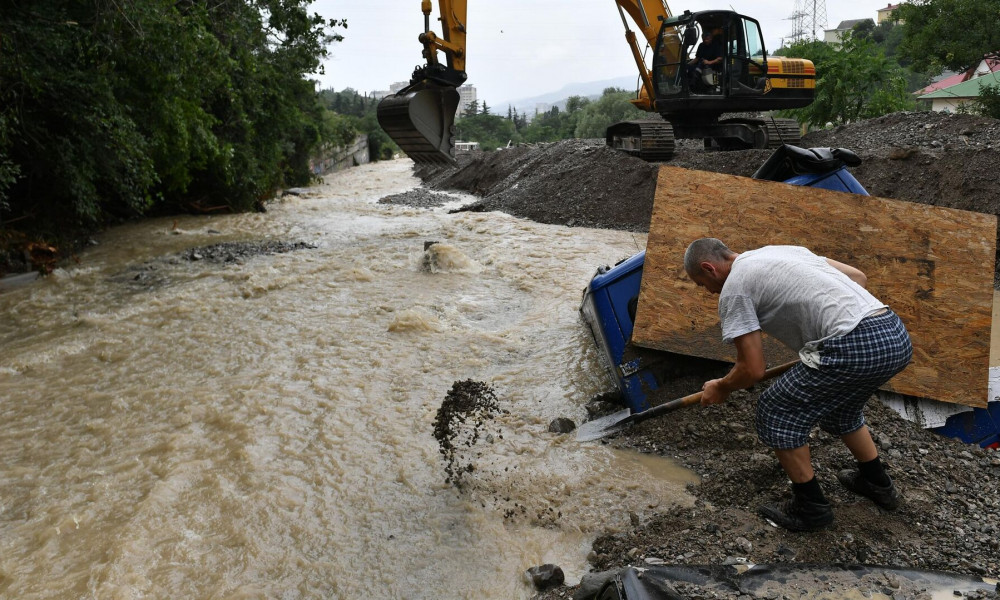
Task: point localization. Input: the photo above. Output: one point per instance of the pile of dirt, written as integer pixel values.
(949, 520)
(950, 517)
(927, 130)
(419, 197)
(579, 183)
(925, 157)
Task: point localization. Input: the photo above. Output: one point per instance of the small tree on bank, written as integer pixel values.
(854, 82)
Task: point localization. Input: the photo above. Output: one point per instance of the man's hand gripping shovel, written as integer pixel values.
(613, 423)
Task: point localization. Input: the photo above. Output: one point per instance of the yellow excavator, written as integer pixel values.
(692, 103)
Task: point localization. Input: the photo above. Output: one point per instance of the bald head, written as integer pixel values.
(705, 250)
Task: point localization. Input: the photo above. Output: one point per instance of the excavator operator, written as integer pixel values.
(708, 56)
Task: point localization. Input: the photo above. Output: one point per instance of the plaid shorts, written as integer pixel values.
(851, 368)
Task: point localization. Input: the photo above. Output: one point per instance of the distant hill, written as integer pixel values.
(591, 89)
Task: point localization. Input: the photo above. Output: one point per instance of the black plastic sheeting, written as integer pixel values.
(788, 161)
(680, 582)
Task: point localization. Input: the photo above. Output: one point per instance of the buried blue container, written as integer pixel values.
(610, 300)
(980, 426)
(609, 305)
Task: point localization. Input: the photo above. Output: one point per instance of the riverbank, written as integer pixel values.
(949, 518)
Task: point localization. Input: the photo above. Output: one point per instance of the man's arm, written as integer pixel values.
(748, 370)
(856, 275)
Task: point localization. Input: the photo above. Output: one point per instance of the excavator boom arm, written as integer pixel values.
(647, 15)
(453, 33)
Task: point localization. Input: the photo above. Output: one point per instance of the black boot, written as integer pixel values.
(808, 510)
(799, 515)
(885, 496)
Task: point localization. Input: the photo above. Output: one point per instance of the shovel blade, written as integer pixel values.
(603, 426)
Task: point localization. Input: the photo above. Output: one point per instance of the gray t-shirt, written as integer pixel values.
(794, 296)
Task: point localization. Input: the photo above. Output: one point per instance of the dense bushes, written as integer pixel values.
(113, 109)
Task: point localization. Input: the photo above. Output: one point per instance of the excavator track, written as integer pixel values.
(745, 133)
(652, 141)
(783, 131)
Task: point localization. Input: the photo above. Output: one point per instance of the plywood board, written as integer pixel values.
(932, 265)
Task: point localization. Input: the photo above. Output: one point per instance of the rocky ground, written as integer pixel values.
(950, 517)
(948, 521)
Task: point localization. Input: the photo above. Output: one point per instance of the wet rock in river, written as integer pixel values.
(591, 583)
(545, 576)
(158, 272)
(562, 425)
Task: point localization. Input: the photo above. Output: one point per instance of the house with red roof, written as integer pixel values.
(950, 93)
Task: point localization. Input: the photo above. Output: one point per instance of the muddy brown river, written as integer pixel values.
(262, 428)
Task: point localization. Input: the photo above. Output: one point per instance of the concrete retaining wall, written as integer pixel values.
(339, 158)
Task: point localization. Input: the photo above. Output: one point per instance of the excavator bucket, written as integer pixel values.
(421, 120)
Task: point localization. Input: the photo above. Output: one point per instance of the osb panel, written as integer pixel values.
(932, 265)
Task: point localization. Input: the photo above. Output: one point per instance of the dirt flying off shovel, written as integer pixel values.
(598, 428)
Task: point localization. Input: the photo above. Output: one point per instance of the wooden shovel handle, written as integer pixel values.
(696, 397)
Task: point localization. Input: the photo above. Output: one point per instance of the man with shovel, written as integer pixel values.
(849, 344)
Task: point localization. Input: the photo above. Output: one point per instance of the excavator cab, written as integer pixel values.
(742, 72)
(745, 81)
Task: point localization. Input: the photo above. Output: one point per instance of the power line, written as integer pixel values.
(817, 13)
(808, 18)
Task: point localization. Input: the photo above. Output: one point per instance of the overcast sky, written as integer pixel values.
(523, 48)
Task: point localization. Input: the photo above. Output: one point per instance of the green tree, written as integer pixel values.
(865, 29)
(886, 36)
(988, 102)
(491, 131)
(854, 82)
(576, 103)
(471, 110)
(9, 171)
(111, 109)
(613, 106)
(380, 145)
(953, 34)
(347, 102)
(545, 127)
(351, 114)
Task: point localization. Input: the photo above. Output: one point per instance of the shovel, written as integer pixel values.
(598, 428)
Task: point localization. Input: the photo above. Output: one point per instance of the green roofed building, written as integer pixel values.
(946, 96)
